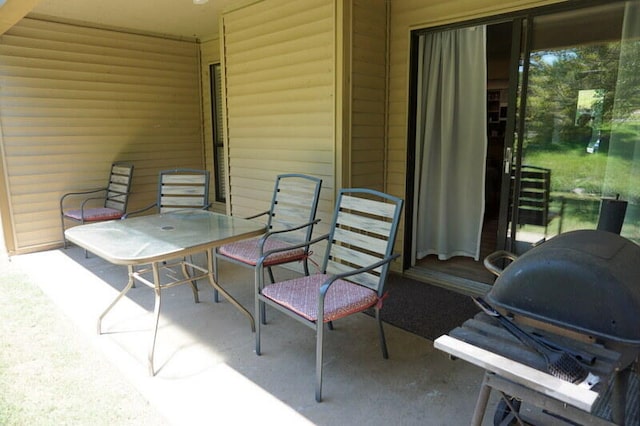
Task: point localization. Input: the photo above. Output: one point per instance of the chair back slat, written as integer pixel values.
(193, 177)
(363, 232)
(116, 200)
(123, 180)
(360, 239)
(353, 256)
(364, 223)
(122, 169)
(370, 206)
(180, 189)
(183, 201)
(168, 190)
(119, 187)
(294, 202)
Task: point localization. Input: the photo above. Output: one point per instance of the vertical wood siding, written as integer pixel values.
(75, 99)
(368, 80)
(279, 71)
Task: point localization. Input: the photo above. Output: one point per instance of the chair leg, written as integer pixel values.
(216, 296)
(64, 238)
(319, 338)
(383, 341)
(259, 312)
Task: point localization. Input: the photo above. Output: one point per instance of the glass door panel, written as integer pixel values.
(574, 107)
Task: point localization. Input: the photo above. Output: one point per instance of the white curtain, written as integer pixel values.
(451, 145)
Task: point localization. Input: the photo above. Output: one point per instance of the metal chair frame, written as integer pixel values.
(359, 250)
(291, 219)
(114, 200)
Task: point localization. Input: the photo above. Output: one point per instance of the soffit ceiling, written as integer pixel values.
(173, 18)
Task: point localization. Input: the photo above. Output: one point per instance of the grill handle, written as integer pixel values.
(491, 261)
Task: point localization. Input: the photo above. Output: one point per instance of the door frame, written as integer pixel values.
(514, 133)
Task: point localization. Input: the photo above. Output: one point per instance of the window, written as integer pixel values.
(216, 127)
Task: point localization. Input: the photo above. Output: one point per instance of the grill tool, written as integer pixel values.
(559, 363)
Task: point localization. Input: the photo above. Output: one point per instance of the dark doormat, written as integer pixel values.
(424, 309)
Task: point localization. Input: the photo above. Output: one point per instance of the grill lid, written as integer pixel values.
(587, 281)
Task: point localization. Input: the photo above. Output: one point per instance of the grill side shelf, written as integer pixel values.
(485, 332)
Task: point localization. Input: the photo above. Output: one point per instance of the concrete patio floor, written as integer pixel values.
(207, 370)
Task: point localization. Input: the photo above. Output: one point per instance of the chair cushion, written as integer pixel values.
(95, 214)
(301, 296)
(246, 251)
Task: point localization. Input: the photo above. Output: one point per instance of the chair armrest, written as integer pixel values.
(71, 194)
(264, 238)
(258, 215)
(86, 200)
(142, 210)
(308, 243)
(325, 287)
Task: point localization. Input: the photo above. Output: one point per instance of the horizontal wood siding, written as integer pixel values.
(368, 79)
(279, 74)
(75, 99)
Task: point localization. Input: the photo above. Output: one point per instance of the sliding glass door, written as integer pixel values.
(557, 135)
(579, 142)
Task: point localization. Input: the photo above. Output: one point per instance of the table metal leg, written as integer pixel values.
(122, 293)
(226, 295)
(156, 315)
(192, 283)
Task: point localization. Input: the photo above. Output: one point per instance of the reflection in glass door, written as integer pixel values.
(580, 136)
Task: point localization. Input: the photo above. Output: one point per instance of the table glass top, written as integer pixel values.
(147, 238)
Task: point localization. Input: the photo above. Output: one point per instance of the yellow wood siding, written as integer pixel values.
(407, 15)
(13, 11)
(368, 90)
(279, 72)
(75, 99)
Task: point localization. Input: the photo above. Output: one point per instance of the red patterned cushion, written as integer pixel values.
(94, 215)
(301, 296)
(246, 251)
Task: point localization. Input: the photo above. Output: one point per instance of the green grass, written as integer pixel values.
(575, 171)
(582, 179)
(49, 373)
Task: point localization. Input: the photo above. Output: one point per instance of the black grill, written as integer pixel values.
(585, 282)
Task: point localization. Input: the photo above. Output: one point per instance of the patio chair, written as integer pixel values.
(290, 220)
(97, 205)
(534, 199)
(180, 189)
(352, 275)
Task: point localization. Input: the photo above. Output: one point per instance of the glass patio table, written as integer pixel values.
(164, 241)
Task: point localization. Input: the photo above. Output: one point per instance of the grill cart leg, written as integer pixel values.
(481, 403)
(508, 411)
